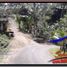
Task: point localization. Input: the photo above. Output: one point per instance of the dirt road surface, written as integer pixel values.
(23, 50)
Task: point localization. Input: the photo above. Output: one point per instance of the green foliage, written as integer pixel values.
(17, 18)
(4, 41)
(40, 19)
(62, 33)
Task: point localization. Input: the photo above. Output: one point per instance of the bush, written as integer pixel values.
(4, 41)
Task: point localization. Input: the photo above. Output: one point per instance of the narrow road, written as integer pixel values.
(23, 50)
(19, 38)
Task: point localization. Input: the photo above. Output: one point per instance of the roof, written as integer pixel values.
(57, 40)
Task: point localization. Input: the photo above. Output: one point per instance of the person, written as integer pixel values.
(64, 47)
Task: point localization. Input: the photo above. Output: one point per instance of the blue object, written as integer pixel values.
(57, 40)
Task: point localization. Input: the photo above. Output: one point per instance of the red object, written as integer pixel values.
(63, 60)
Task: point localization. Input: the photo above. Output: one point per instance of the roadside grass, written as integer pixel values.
(4, 42)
